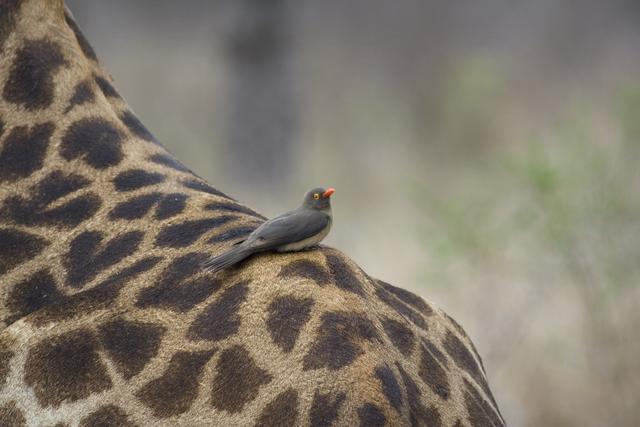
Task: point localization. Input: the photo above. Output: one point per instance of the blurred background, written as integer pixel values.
(485, 154)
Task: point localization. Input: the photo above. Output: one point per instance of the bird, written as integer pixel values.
(296, 230)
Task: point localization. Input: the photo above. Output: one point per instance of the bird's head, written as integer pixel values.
(318, 198)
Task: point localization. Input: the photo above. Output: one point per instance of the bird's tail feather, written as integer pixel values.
(227, 259)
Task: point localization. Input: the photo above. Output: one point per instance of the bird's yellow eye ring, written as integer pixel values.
(316, 196)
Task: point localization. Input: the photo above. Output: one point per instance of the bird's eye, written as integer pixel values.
(316, 196)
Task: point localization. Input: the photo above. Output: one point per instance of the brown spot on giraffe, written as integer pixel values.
(186, 233)
(66, 368)
(98, 297)
(8, 11)
(6, 354)
(464, 359)
(220, 319)
(480, 411)
(23, 151)
(306, 269)
(287, 316)
(30, 82)
(403, 310)
(37, 211)
(408, 297)
(95, 140)
(371, 416)
(11, 415)
(432, 372)
(400, 335)
(130, 344)
(177, 289)
(281, 411)
(30, 295)
(174, 392)
(136, 127)
(85, 258)
(339, 340)
(17, 247)
(325, 408)
(419, 414)
(82, 94)
(343, 275)
(390, 387)
(238, 380)
(107, 416)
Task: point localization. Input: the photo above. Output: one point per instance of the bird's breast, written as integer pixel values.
(306, 243)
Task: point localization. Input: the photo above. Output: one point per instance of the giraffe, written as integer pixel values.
(106, 317)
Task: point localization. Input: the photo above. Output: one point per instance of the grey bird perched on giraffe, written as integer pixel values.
(295, 230)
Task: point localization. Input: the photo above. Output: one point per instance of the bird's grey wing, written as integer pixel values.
(290, 227)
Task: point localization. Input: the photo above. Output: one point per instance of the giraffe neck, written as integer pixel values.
(74, 156)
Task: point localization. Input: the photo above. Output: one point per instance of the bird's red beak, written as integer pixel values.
(329, 192)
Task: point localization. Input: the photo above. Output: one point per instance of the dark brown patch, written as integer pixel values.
(94, 140)
(419, 415)
(480, 412)
(106, 87)
(169, 161)
(168, 205)
(174, 290)
(8, 11)
(435, 352)
(85, 259)
(134, 179)
(456, 325)
(390, 387)
(30, 81)
(408, 297)
(238, 380)
(232, 207)
(204, 187)
(136, 207)
(17, 247)
(325, 408)
(171, 205)
(136, 127)
(82, 41)
(338, 340)
(343, 275)
(11, 415)
(30, 295)
(187, 232)
(371, 416)
(5, 357)
(465, 360)
(82, 93)
(130, 344)
(36, 211)
(96, 298)
(66, 368)
(107, 416)
(24, 150)
(400, 335)
(403, 309)
(433, 373)
(221, 318)
(307, 270)
(281, 411)
(287, 316)
(174, 392)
